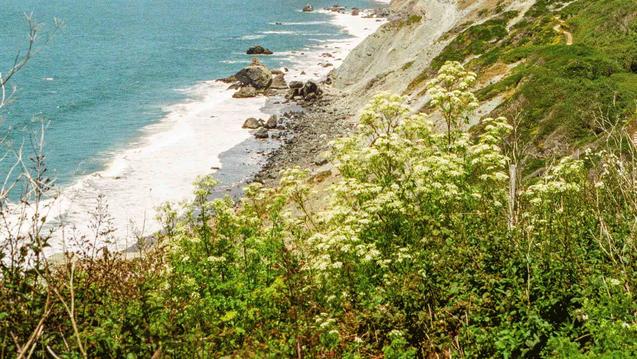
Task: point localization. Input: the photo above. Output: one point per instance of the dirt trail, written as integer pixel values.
(560, 28)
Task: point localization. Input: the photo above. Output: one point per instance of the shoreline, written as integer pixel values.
(310, 125)
(135, 181)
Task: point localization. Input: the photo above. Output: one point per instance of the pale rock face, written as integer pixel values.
(390, 59)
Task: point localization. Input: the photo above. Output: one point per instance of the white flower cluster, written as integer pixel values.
(561, 179)
(397, 170)
(449, 92)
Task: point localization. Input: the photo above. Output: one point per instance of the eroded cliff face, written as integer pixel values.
(403, 49)
(555, 67)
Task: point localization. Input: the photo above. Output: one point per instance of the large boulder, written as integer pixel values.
(255, 75)
(259, 50)
(245, 92)
(252, 123)
(308, 8)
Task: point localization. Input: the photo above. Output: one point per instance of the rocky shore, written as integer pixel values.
(310, 132)
(321, 112)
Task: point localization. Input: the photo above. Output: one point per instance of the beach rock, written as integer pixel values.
(255, 75)
(261, 133)
(336, 8)
(245, 92)
(308, 8)
(251, 123)
(259, 50)
(311, 90)
(327, 64)
(295, 84)
(355, 11)
(278, 82)
(228, 80)
(276, 72)
(272, 122)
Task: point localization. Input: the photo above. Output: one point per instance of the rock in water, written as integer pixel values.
(355, 11)
(272, 122)
(278, 82)
(245, 92)
(261, 133)
(259, 50)
(251, 123)
(308, 8)
(255, 75)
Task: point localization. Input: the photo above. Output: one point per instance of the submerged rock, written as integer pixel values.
(255, 75)
(259, 50)
(308, 8)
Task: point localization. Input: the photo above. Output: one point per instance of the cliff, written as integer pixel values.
(558, 68)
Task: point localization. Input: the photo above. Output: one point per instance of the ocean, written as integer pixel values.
(125, 87)
(117, 64)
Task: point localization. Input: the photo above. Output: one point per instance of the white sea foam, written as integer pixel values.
(302, 23)
(235, 61)
(252, 37)
(279, 32)
(161, 165)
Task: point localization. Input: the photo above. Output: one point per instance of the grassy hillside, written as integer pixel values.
(559, 92)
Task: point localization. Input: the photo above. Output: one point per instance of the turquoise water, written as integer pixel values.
(117, 63)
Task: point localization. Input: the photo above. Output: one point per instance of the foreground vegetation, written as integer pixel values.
(430, 246)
